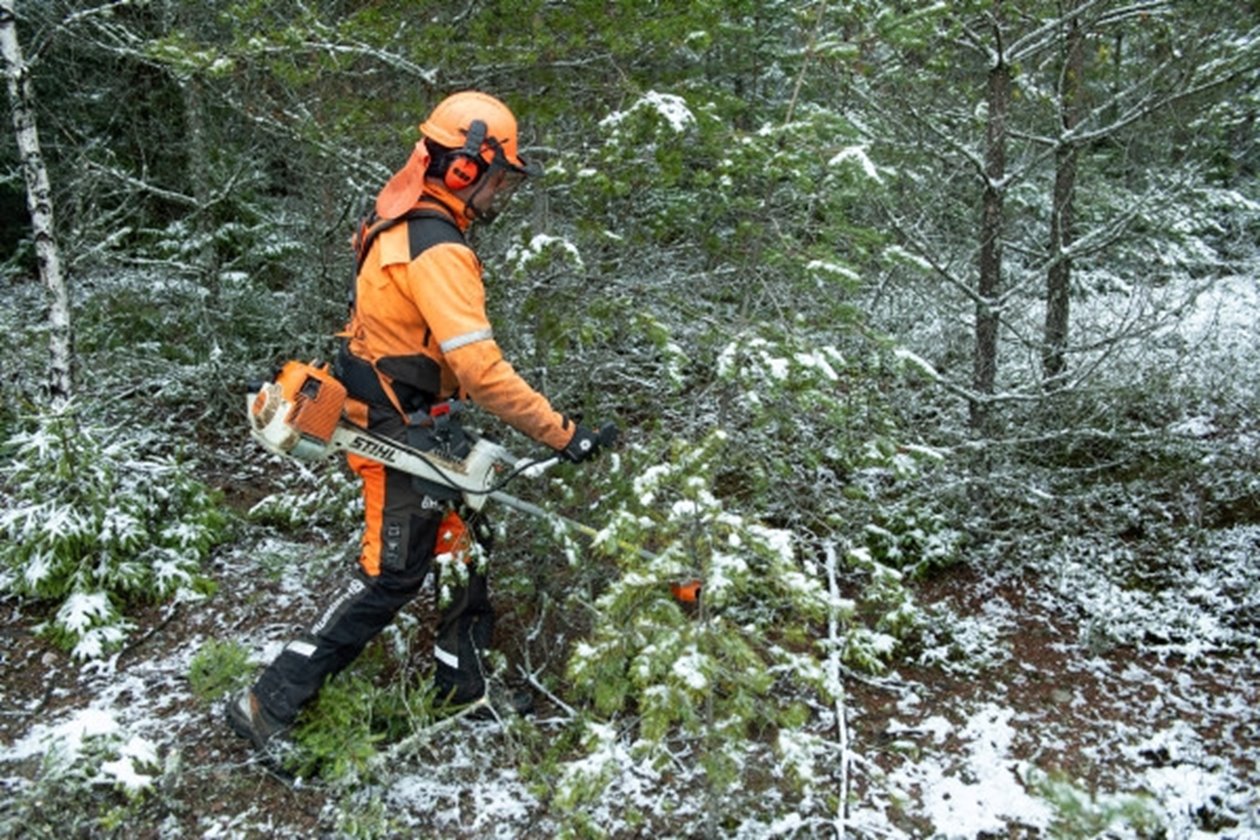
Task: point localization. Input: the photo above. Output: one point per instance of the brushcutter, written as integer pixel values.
(300, 415)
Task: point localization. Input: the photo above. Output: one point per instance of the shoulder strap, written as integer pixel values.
(371, 226)
(429, 228)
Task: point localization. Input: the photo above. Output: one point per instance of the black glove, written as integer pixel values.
(587, 444)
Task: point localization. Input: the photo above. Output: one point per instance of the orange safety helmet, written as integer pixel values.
(478, 132)
(452, 124)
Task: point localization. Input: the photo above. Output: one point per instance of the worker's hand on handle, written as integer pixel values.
(587, 443)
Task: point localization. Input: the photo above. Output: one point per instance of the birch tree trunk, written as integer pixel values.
(989, 288)
(39, 203)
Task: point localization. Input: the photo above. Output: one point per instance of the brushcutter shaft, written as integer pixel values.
(542, 513)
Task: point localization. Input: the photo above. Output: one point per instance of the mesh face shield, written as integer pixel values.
(504, 178)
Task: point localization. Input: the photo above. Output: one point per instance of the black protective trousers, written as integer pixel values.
(400, 535)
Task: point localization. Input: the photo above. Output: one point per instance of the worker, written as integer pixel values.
(418, 336)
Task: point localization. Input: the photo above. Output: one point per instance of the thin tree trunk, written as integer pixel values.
(39, 203)
(984, 373)
(199, 178)
(175, 17)
(1059, 276)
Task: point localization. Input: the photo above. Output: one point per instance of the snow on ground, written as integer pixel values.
(1116, 694)
(1162, 709)
(935, 754)
(952, 756)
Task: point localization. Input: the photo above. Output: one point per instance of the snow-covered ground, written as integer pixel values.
(933, 753)
(1064, 698)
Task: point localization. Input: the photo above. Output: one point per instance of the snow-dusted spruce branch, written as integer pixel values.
(95, 11)
(1043, 37)
(1052, 437)
(422, 734)
(1134, 10)
(1135, 323)
(352, 48)
(1101, 237)
(144, 186)
(1151, 104)
(906, 109)
(1029, 166)
(333, 46)
(806, 57)
(503, 70)
(67, 24)
(930, 256)
(1147, 104)
(1047, 37)
(321, 38)
(1144, 324)
(109, 35)
(350, 157)
(529, 671)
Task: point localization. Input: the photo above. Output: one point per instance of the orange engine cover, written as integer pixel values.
(317, 397)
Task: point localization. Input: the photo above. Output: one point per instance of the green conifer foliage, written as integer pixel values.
(93, 523)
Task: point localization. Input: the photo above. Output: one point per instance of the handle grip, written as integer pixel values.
(608, 435)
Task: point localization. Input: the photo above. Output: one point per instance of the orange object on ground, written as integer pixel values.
(686, 591)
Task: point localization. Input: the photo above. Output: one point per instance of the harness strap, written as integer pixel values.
(360, 376)
(360, 379)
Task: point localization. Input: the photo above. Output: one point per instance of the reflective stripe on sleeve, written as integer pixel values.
(466, 339)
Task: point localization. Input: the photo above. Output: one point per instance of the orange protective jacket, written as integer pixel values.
(420, 320)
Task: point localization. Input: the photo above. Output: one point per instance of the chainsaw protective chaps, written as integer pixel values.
(463, 636)
(401, 533)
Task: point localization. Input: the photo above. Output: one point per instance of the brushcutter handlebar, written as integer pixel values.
(607, 436)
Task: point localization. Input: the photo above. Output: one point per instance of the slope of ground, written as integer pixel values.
(935, 750)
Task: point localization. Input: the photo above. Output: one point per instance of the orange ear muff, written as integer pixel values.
(465, 166)
(461, 172)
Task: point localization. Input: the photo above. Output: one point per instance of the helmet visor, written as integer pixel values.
(504, 180)
(520, 166)
(504, 177)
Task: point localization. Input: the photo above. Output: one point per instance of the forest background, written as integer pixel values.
(930, 328)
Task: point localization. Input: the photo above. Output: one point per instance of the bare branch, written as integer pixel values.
(1047, 35)
(140, 184)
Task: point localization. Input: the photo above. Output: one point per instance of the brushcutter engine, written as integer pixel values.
(297, 414)
(300, 415)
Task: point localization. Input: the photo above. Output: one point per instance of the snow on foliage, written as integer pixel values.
(857, 155)
(669, 107)
(91, 742)
(533, 255)
(1194, 612)
(98, 525)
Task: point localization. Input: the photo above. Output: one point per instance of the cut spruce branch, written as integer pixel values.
(835, 686)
